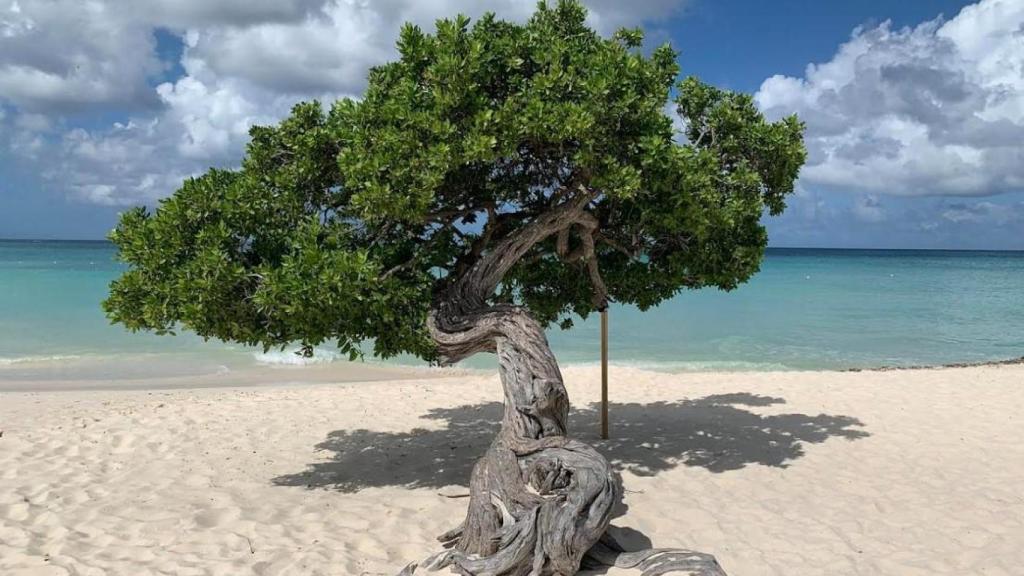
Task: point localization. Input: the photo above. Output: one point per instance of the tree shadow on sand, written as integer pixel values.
(714, 432)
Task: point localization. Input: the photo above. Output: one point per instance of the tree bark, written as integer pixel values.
(538, 500)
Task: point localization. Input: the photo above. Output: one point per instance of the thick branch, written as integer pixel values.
(476, 332)
(471, 290)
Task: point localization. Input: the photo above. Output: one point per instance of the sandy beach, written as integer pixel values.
(789, 473)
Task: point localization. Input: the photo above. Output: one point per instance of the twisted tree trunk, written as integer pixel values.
(540, 502)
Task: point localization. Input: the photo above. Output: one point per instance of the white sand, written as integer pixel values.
(894, 473)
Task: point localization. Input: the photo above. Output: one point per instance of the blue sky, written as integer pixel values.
(915, 109)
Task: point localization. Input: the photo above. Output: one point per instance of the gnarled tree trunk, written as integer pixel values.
(540, 502)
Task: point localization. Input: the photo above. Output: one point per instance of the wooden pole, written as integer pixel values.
(604, 374)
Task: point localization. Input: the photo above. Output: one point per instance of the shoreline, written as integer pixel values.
(1007, 362)
(255, 377)
(343, 372)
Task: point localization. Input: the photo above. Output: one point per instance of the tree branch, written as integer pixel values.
(633, 254)
(472, 288)
(586, 252)
(600, 298)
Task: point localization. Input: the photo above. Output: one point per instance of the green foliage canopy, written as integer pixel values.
(346, 224)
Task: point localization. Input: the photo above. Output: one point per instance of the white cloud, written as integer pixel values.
(330, 48)
(933, 110)
(988, 213)
(245, 62)
(67, 54)
(128, 164)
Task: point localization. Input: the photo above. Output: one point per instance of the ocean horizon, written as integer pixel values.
(808, 309)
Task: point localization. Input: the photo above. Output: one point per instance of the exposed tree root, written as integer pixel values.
(653, 561)
(523, 546)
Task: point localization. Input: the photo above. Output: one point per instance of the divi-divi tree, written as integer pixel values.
(497, 178)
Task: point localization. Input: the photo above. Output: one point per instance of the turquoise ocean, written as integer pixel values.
(808, 309)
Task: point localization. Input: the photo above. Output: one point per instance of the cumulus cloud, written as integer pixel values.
(127, 164)
(937, 109)
(245, 62)
(63, 55)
